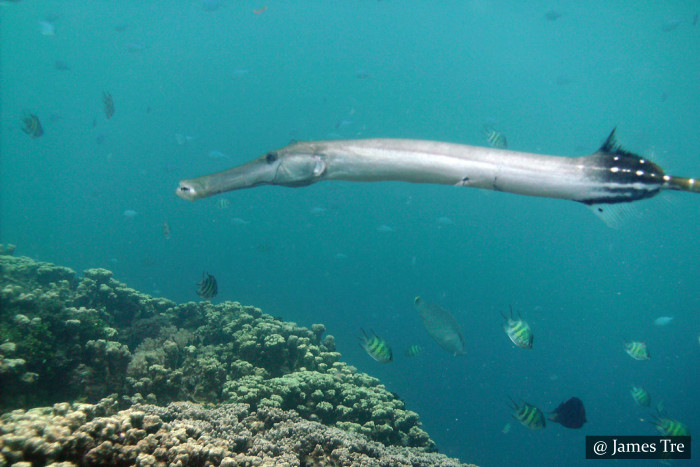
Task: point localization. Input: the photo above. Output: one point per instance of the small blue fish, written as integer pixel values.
(663, 320)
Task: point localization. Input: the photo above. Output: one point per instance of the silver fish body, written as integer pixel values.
(609, 176)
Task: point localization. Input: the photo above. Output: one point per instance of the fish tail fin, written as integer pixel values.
(682, 184)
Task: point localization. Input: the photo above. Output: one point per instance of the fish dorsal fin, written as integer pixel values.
(612, 147)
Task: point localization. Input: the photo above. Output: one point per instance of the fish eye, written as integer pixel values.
(270, 157)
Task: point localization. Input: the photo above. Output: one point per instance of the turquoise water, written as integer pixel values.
(240, 83)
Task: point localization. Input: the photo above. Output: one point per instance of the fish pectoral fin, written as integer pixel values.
(319, 166)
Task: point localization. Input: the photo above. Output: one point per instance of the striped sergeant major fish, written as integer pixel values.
(605, 181)
(413, 350)
(640, 396)
(668, 426)
(529, 415)
(31, 125)
(376, 347)
(518, 330)
(637, 350)
(495, 138)
(208, 288)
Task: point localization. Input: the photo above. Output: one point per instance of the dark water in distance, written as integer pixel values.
(355, 255)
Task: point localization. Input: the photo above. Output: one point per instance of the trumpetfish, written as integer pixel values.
(605, 180)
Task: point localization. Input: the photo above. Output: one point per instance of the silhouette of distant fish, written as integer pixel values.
(134, 47)
(61, 65)
(211, 5)
(495, 138)
(108, 102)
(671, 24)
(570, 414)
(552, 15)
(663, 320)
(31, 125)
(181, 139)
(414, 350)
(441, 326)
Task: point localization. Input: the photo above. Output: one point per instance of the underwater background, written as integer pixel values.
(201, 86)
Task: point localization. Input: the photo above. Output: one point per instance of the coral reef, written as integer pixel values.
(190, 434)
(70, 338)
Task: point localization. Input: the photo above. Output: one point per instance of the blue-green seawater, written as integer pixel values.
(242, 83)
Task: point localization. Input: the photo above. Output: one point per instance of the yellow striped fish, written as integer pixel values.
(670, 427)
(641, 396)
(495, 138)
(518, 330)
(208, 288)
(637, 350)
(529, 415)
(108, 104)
(31, 125)
(414, 350)
(376, 347)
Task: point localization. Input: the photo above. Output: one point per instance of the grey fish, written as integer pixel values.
(441, 326)
(606, 181)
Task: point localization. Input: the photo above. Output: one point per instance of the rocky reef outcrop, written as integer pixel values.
(90, 338)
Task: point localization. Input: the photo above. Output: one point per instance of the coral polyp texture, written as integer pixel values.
(259, 390)
(183, 433)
